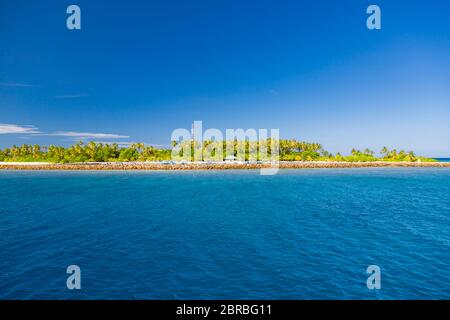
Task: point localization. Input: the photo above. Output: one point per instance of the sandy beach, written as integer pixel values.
(211, 166)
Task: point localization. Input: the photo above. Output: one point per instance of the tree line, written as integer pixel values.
(289, 150)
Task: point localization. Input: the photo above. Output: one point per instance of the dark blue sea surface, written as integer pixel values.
(443, 159)
(301, 234)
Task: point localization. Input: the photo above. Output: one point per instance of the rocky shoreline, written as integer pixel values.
(214, 166)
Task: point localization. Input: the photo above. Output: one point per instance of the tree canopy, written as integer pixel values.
(289, 150)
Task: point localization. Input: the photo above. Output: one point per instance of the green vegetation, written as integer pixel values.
(290, 150)
(80, 152)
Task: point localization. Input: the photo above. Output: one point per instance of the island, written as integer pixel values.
(138, 156)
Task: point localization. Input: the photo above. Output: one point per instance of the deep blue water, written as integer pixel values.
(302, 234)
(443, 159)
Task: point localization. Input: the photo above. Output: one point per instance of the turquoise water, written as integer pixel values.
(302, 234)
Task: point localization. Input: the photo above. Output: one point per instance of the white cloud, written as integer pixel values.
(72, 96)
(33, 131)
(15, 85)
(87, 135)
(17, 129)
(129, 143)
(274, 92)
(124, 143)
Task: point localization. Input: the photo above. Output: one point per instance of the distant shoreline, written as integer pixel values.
(213, 166)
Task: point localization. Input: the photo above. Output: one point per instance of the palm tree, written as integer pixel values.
(91, 150)
(393, 154)
(412, 156)
(139, 146)
(15, 152)
(36, 151)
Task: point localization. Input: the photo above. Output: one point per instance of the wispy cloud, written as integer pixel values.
(71, 96)
(29, 130)
(15, 85)
(87, 135)
(17, 129)
(274, 92)
(129, 143)
(125, 143)
(119, 143)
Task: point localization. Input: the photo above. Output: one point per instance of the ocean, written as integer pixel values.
(301, 234)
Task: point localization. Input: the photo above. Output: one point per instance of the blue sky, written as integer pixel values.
(137, 70)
